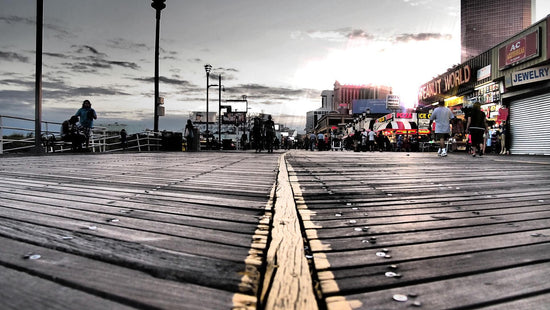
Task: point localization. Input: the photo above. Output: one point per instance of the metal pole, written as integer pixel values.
(38, 82)
(207, 86)
(156, 125)
(219, 108)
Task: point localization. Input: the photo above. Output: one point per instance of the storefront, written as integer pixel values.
(529, 121)
(512, 82)
(525, 64)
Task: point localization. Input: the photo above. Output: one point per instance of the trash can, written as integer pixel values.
(193, 144)
(171, 141)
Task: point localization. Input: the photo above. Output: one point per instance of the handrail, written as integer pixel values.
(100, 141)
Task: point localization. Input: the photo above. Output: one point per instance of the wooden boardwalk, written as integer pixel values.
(304, 230)
(398, 230)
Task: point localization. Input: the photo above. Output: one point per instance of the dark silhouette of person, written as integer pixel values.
(269, 127)
(86, 115)
(70, 132)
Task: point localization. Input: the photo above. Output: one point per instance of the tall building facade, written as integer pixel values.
(345, 94)
(486, 23)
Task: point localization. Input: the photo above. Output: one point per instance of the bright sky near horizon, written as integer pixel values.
(281, 54)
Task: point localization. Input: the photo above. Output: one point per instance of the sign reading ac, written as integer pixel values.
(515, 46)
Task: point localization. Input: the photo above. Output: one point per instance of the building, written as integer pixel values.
(327, 99)
(313, 117)
(486, 23)
(512, 81)
(344, 95)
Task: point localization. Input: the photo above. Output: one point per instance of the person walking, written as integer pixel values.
(269, 128)
(442, 117)
(477, 126)
(371, 140)
(312, 141)
(86, 116)
(189, 134)
(257, 135)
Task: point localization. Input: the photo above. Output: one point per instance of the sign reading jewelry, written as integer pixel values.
(530, 75)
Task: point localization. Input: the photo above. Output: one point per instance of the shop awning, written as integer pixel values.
(401, 125)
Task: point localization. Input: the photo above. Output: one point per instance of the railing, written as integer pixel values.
(17, 136)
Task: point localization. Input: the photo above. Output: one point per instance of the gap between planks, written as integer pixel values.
(287, 283)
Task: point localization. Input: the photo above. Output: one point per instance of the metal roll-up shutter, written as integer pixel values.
(530, 123)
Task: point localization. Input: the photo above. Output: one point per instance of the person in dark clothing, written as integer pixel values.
(477, 126)
(86, 115)
(70, 132)
(257, 135)
(269, 128)
(123, 138)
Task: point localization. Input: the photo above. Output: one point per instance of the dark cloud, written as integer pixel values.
(58, 31)
(170, 81)
(123, 44)
(93, 60)
(10, 56)
(357, 33)
(422, 37)
(55, 55)
(76, 92)
(84, 49)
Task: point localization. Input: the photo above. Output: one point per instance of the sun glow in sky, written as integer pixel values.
(403, 65)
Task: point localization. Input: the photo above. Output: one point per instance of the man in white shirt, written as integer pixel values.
(442, 117)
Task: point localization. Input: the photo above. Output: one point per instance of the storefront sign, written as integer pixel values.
(404, 115)
(518, 51)
(385, 118)
(393, 102)
(484, 73)
(448, 81)
(531, 75)
(424, 115)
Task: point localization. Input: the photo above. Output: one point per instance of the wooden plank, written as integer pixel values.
(23, 291)
(465, 292)
(168, 263)
(362, 240)
(372, 277)
(58, 278)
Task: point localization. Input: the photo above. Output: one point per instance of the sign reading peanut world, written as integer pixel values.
(393, 102)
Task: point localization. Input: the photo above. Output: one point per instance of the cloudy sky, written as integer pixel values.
(281, 54)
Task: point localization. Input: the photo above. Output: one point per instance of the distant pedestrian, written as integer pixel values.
(269, 128)
(371, 141)
(320, 141)
(312, 141)
(123, 138)
(442, 117)
(244, 141)
(257, 134)
(70, 132)
(477, 126)
(189, 134)
(86, 115)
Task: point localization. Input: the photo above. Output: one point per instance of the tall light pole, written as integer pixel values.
(220, 87)
(38, 82)
(207, 68)
(158, 5)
